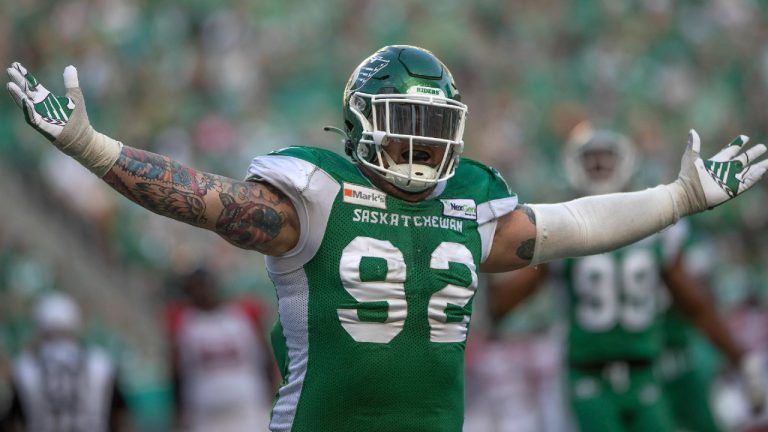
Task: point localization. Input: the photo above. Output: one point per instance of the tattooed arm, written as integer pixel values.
(513, 242)
(250, 215)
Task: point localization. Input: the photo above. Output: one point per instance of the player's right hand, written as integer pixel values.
(43, 110)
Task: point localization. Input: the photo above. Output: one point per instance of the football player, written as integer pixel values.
(375, 259)
(687, 383)
(220, 363)
(62, 383)
(615, 332)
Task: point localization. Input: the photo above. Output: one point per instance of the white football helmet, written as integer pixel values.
(599, 161)
(57, 312)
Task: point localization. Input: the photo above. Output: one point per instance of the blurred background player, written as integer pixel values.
(688, 365)
(61, 385)
(513, 370)
(747, 317)
(615, 330)
(222, 369)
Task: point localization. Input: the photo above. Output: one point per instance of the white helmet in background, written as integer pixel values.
(599, 161)
(57, 312)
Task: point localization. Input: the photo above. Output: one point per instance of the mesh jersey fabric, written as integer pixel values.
(374, 302)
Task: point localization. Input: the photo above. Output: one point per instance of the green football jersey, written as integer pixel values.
(614, 301)
(677, 327)
(375, 300)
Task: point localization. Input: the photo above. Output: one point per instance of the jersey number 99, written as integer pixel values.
(613, 291)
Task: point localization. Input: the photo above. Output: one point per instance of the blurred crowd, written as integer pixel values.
(215, 83)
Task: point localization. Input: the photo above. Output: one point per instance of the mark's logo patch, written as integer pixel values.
(460, 208)
(361, 195)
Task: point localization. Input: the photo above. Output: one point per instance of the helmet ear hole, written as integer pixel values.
(348, 147)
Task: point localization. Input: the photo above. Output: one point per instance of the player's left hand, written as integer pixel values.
(711, 182)
(755, 380)
(43, 110)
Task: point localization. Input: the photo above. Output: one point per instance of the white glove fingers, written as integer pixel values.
(18, 79)
(726, 154)
(16, 93)
(732, 149)
(31, 87)
(27, 77)
(19, 67)
(752, 154)
(694, 142)
(70, 77)
(739, 141)
(755, 172)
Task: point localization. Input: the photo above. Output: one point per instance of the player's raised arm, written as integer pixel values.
(250, 215)
(601, 223)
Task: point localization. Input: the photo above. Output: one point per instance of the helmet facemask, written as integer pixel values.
(400, 104)
(420, 120)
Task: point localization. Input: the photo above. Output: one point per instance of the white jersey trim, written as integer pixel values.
(488, 214)
(293, 311)
(312, 192)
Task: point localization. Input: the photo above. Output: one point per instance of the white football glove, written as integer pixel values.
(755, 381)
(711, 182)
(43, 110)
(63, 120)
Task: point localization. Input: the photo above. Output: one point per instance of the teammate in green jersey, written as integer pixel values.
(375, 259)
(615, 332)
(687, 385)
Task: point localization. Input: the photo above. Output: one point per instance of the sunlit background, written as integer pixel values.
(215, 83)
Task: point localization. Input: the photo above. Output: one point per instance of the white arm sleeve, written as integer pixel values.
(600, 223)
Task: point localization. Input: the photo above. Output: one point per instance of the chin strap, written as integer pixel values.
(345, 139)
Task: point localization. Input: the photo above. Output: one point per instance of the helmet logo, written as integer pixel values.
(431, 91)
(368, 70)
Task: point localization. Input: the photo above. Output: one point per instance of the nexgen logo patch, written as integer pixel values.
(460, 208)
(365, 196)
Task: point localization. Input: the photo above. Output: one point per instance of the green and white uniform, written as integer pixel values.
(686, 383)
(615, 335)
(375, 300)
